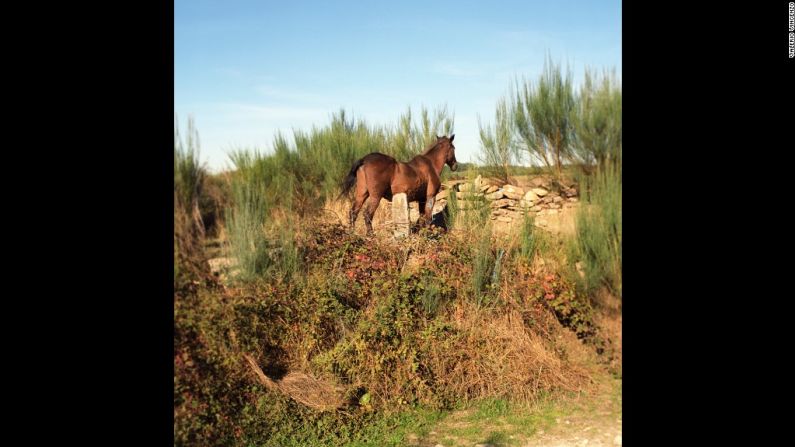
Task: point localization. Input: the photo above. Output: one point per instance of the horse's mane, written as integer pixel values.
(431, 147)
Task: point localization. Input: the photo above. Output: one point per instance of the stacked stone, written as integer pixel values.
(507, 202)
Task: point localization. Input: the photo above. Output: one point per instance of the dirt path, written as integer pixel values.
(580, 431)
(592, 421)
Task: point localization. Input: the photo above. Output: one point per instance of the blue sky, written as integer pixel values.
(245, 69)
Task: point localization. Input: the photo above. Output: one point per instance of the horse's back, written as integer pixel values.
(417, 163)
(378, 158)
(381, 164)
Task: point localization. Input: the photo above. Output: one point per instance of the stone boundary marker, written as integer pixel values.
(400, 215)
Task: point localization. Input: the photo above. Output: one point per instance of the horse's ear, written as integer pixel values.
(451, 137)
(438, 138)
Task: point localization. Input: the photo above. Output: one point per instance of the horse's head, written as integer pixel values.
(446, 144)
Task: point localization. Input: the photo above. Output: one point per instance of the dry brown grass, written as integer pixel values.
(305, 389)
(500, 356)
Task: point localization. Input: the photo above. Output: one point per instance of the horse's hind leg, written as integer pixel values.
(369, 211)
(356, 206)
(359, 198)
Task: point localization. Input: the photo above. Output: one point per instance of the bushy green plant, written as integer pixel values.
(597, 245)
(431, 294)
(452, 210)
(482, 267)
(528, 237)
(596, 120)
(498, 148)
(246, 226)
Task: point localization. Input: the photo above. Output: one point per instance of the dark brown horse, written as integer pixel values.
(377, 175)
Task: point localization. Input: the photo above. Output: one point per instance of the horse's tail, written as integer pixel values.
(350, 180)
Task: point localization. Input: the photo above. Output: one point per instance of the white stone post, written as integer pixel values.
(400, 215)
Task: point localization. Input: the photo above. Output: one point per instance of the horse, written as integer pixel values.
(377, 176)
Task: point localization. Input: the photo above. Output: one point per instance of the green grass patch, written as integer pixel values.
(396, 430)
(498, 422)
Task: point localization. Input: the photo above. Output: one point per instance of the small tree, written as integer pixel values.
(498, 148)
(597, 120)
(542, 115)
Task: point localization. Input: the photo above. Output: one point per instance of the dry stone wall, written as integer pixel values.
(509, 203)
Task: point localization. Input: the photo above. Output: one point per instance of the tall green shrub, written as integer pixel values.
(597, 120)
(597, 245)
(542, 115)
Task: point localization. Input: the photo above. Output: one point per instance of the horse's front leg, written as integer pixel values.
(430, 200)
(421, 208)
(427, 207)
